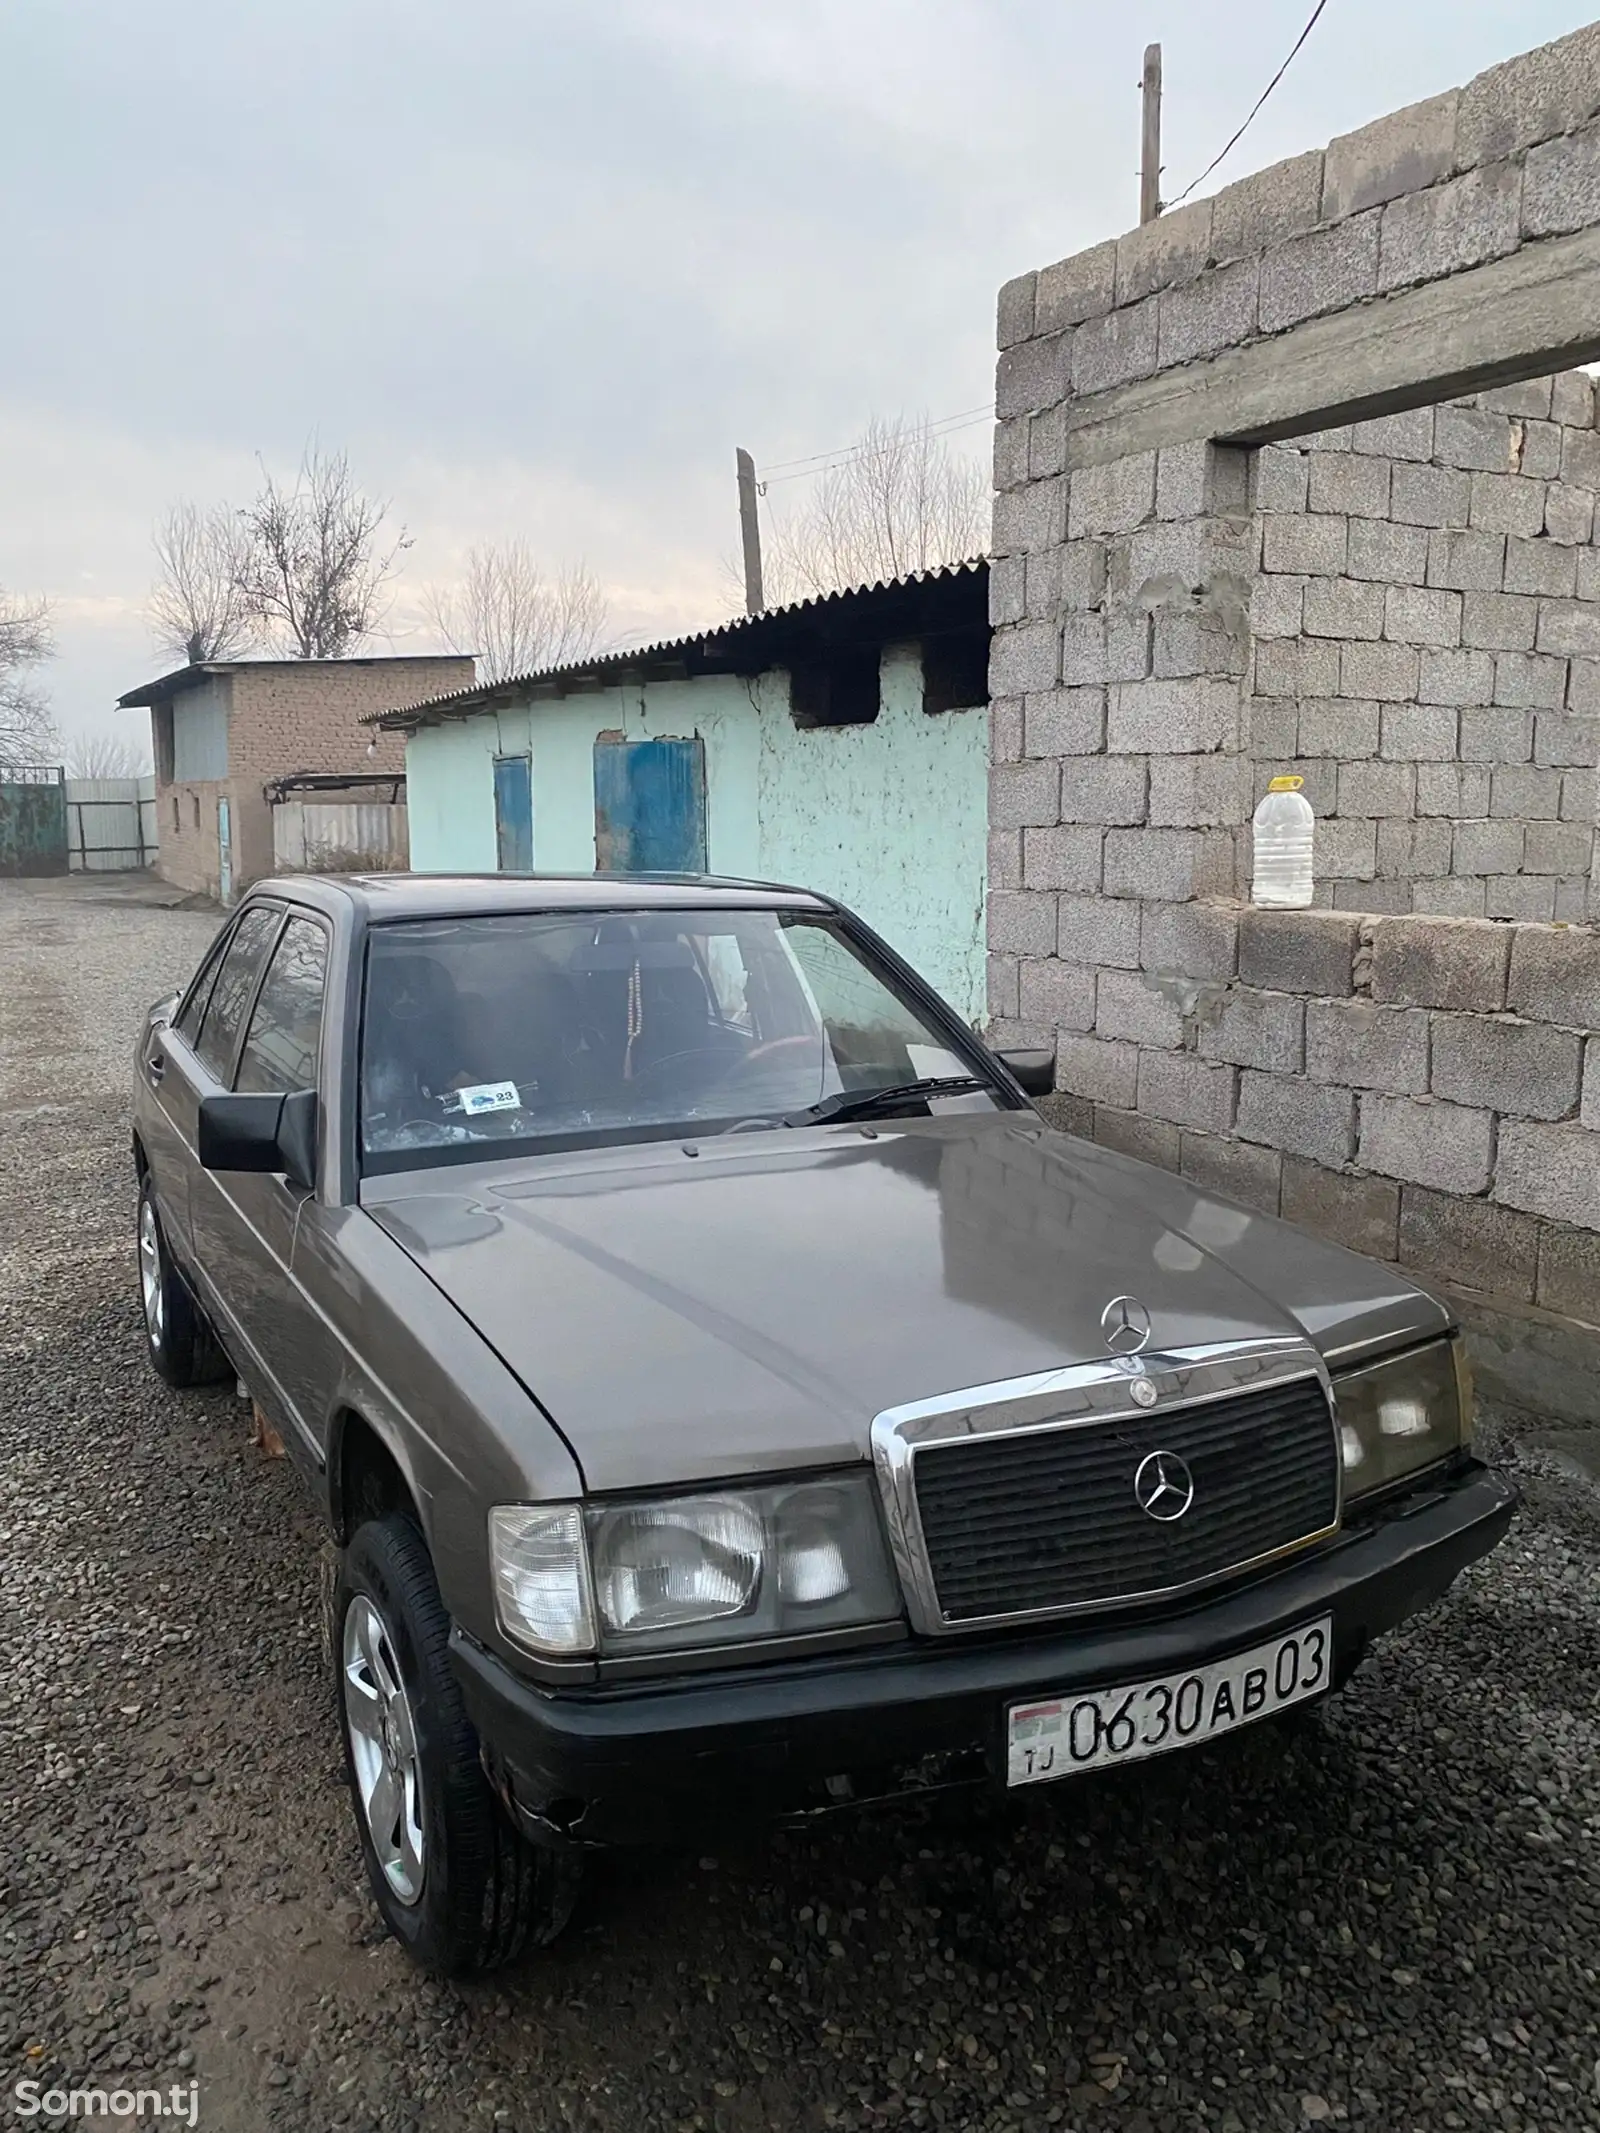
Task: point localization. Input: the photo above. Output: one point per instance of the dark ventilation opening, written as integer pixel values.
(840, 689)
(955, 671)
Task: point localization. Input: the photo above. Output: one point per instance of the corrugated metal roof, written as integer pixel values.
(821, 605)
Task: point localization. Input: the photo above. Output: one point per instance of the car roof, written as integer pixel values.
(383, 898)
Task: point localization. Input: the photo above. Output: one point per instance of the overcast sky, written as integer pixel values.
(539, 268)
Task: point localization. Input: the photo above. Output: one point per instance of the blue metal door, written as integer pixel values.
(650, 807)
(513, 814)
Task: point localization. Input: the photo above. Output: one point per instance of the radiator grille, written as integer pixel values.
(1048, 1519)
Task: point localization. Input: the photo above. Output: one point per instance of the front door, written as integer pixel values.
(650, 807)
(513, 814)
(224, 854)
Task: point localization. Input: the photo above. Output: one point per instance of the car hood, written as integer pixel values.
(750, 1307)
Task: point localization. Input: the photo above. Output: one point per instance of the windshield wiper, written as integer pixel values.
(859, 1103)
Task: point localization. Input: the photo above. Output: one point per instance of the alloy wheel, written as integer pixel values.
(155, 1310)
(383, 1748)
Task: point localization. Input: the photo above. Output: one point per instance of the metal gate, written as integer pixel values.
(650, 807)
(33, 820)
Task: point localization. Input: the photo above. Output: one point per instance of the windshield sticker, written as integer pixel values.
(490, 1096)
(931, 1062)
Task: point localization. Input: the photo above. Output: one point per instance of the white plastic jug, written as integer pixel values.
(1283, 826)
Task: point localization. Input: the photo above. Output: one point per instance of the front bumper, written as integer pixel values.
(651, 1760)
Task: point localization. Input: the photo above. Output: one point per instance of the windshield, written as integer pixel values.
(583, 1026)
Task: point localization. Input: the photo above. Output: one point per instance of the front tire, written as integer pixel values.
(183, 1348)
(458, 1887)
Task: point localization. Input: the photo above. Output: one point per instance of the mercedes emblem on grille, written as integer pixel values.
(1126, 1325)
(1163, 1486)
(1144, 1392)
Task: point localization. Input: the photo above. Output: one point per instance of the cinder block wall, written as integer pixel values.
(1426, 652)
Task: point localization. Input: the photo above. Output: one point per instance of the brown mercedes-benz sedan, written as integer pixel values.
(724, 1389)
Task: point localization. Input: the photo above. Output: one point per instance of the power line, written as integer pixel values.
(845, 451)
(825, 462)
(1254, 108)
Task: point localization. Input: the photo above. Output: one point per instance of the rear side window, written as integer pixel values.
(194, 1008)
(235, 984)
(280, 1047)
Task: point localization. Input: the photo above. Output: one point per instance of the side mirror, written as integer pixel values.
(1032, 1068)
(269, 1133)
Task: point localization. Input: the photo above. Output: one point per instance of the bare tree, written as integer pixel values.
(515, 618)
(27, 731)
(197, 610)
(104, 755)
(901, 501)
(318, 561)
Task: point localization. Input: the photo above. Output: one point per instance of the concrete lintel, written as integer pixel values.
(1534, 312)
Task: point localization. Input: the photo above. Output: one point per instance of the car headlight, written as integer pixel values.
(720, 1567)
(1402, 1414)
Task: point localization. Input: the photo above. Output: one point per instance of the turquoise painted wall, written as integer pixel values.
(891, 818)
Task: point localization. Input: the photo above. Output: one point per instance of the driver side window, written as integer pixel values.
(281, 1044)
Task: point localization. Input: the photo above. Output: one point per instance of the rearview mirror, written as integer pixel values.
(1032, 1067)
(269, 1133)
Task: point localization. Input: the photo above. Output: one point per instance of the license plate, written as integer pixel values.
(1065, 1734)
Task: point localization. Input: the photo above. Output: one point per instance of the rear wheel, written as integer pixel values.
(183, 1348)
(458, 1887)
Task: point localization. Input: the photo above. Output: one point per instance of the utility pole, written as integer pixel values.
(1150, 160)
(749, 532)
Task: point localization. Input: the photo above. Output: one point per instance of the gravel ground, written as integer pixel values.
(1391, 1919)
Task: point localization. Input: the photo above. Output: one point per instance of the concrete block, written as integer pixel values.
(1406, 436)
(1583, 687)
(1194, 642)
(1569, 1273)
(1031, 519)
(1316, 545)
(1452, 789)
(1413, 851)
(1309, 667)
(1495, 736)
(1277, 606)
(1414, 614)
(1525, 1069)
(1456, 677)
(1267, 207)
(1300, 1117)
(1199, 791)
(1450, 897)
(1467, 561)
(1099, 931)
(1161, 254)
(1529, 795)
(1375, 898)
(1005, 859)
(1298, 951)
(1084, 662)
(1395, 555)
(1351, 482)
(1387, 672)
(1415, 732)
(1569, 626)
(1001, 986)
(1531, 681)
(1082, 566)
(1588, 581)
(1589, 1112)
(1361, 1213)
(1498, 622)
(1075, 289)
(1550, 1170)
(1058, 722)
(1378, 790)
(1403, 152)
(1033, 374)
(1047, 443)
(1270, 725)
(1338, 726)
(1105, 1072)
(1434, 962)
(1103, 789)
(1020, 793)
(1343, 608)
(1280, 478)
(1147, 1140)
(1564, 740)
(1429, 496)
(1022, 922)
(1058, 995)
(1127, 1005)
(1252, 1028)
(1061, 1112)
(1010, 454)
(1113, 498)
(1474, 437)
(1488, 847)
(1161, 864)
(1561, 187)
(1448, 1146)
(1578, 805)
(1116, 349)
(1572, 399)
(1507, 503)
(1005, 729)
(1470, 1241)
(1186, 1090)
(1555, 976)
(1541, 566)
(1466, 223)
(1325, 270)
(1540, 454)
(1183, 480)
(1175, 717)
(1362, 1046)
(1233, 1169)
(1063, 858)
(1347, 850)
(1007, 589)
(1529, 398)
(1194, 944)
(1218, 311)
(1014, 311)
(1519, 896)
(1558, 848)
